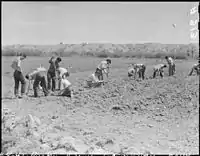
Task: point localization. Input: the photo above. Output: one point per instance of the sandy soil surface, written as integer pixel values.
(159, 116)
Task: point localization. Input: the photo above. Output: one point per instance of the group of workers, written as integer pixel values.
(139, 69)
(46, 79)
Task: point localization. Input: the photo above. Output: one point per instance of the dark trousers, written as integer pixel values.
(51, 78)
(160, 72)
(100, 77)
(141, 72)
(18, 77)
(42, 81)
(171, 69)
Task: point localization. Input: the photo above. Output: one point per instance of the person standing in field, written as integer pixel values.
(159, 69)
(171, 64)
(103, 68)
(18, 76)
(51, 74)
(39, 78)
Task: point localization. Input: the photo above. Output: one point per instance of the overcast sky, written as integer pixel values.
(68, 22)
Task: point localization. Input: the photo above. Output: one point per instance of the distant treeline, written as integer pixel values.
(147, 50)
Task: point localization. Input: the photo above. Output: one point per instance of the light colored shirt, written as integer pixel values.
(16, 64)
(170, 61)
(65, 83)
(131, 70)
(158, 67)
(40, 70)
(103, 66)
(61, 71)
(93, 78)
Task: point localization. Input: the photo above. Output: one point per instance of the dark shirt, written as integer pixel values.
(53, 65)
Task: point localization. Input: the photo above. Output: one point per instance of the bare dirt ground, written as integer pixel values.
(159, 116)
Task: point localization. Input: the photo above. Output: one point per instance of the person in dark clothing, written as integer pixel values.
(39, 77)
(51, 74)
(18, 76)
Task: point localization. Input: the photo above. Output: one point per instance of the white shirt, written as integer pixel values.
(16, 64)
(93, 78)
(170, 61)
(103, 66)
(65, 83)
(61, 71)
(158, 67)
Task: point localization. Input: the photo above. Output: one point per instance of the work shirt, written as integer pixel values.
(39, 71)
(103, 66)
(16, 64)
(61, 71)
(93, 78)
(53, 65)
(170, 61)
(65, 83)
(131, 70)
(158, 67)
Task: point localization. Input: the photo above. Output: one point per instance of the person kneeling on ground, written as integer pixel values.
(61, 72)
(195, 68)
(66, 87)
(93, 80)
(159, 69)
(39, 77)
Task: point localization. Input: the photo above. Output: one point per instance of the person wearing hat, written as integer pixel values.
(159, 69)
(51, 74)
(103, 68)
(18, 76)
(171, 64)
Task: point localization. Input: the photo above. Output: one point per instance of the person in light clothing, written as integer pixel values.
(171, 64)
(62, 72)
(93, 79)
(103, 68)
(159, 69)
(18, 76)
(131, 71)
(66, 87)
(39, 78)
(195, 68)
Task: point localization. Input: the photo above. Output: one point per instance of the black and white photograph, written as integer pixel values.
(98, 77)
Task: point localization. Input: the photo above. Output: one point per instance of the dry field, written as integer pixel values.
(157, 116)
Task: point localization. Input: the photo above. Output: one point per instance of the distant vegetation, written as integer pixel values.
(147, 50)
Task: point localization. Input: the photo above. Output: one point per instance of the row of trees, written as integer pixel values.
(149, 50)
